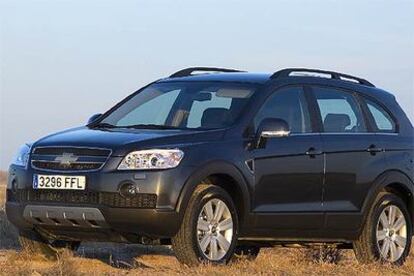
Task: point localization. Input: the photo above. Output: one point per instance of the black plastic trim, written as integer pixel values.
(334, 75)
(188, 71)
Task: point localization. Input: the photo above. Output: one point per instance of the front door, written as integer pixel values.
(288, 170)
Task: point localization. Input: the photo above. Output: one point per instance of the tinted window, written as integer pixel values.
(382, 119)
(339, 110)
(288, 104)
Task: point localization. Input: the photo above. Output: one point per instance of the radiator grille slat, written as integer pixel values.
(74, 150)
(51, 165)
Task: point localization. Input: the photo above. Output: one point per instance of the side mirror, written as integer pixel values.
(271, 128)
(94, 117)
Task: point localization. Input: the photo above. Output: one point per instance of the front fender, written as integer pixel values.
(209, 169)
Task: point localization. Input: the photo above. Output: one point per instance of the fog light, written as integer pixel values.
(128, 190)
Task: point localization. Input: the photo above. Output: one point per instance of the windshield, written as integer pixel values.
(193, 105)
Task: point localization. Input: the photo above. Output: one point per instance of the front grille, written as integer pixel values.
(69, 158)
(144, 201)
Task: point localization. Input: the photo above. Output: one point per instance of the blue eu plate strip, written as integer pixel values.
(35, 181)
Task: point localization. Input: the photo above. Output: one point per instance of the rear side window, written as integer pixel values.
(288, 104)
(339, 111)
(382, 118)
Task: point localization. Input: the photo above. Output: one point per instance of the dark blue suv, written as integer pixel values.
(222, 163)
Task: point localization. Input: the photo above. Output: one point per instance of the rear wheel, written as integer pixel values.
(34, 243)
(209, 229)
(387, 233)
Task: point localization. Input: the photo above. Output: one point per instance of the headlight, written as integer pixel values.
(22, 157)
(153, 159)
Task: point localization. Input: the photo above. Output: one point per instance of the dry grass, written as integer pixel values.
(120, 259)
(3, 178)
(8, 233)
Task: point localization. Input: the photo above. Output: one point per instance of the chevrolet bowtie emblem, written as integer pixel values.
(66, 158)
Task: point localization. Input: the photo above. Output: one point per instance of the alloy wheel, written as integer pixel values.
(215, 229)
(391, 234)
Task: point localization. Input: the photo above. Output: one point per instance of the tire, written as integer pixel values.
(371, 245)
(199, 241)
(246, 252)
(33, 243)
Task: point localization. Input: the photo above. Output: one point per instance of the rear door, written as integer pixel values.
(353, 156)
(397, 144)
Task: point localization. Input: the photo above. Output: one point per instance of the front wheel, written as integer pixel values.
(209, 229)
(386, 236)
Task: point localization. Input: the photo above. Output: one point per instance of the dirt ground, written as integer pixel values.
(122, 259)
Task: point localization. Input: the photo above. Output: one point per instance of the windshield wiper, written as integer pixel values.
(142, 126)
(104, 125)
(149, 126)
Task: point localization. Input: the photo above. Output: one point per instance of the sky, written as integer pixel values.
(63, 61)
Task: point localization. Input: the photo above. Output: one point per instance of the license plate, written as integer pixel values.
(59, 182)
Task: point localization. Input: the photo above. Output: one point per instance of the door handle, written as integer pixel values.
(312, 152)
(373, 149)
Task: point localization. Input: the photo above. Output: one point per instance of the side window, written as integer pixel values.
(383, 120)
(339, 111)
(288, 104)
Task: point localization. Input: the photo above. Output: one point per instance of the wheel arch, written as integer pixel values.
(394, 181)
(225, 175)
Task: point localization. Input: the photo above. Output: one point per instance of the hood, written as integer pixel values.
(122, 141)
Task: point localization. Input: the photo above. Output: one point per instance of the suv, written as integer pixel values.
(222, 163)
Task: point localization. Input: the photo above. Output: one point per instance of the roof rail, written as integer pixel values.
(334, 75)
(188, 71)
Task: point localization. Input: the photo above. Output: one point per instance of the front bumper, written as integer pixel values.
(99, 212)
(94, 223)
